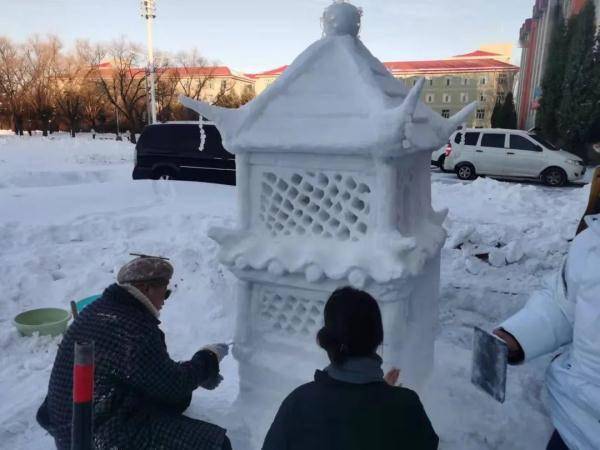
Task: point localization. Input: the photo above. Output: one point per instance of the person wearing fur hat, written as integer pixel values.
(140, 393)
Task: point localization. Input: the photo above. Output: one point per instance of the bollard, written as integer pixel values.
(83, 396)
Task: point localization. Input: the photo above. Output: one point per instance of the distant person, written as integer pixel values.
(566, 311)
(140, 393)
(351, 405)
(93, 133)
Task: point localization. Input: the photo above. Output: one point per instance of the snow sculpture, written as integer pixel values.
(333, 186)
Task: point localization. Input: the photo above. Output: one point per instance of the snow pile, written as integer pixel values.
(64, 242)
(26, 166)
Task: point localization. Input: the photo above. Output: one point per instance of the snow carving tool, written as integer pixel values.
(490, 360)
(83, 396)
(142, 255)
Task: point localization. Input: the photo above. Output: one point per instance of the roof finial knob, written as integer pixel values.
(341, 18)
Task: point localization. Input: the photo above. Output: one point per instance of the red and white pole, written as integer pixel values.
(83, 397)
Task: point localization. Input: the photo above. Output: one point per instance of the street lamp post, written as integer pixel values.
(149, 13)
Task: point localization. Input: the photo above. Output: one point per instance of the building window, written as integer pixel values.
(430, 98)
(500, 97)
(483, 81)
(465, 81)
(223, 84)
(446, 113)
(502, 79)
(210, 84)
(448, 81)
(447, 98)
(480, 114)
(464, 97)
(415, 82)
(430, 82)
(482, 98)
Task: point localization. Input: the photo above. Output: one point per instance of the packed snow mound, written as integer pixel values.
(83, 160)
(61, 243)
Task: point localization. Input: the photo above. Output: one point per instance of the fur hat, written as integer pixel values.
(145, 269)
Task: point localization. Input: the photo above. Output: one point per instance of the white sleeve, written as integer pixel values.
(546, 322)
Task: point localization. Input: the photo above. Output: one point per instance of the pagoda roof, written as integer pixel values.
(335, 98)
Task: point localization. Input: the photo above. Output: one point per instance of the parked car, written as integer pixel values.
(439, 156)
(172, 151)
(510, 154)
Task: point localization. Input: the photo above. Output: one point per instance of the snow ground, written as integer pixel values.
(70, 214)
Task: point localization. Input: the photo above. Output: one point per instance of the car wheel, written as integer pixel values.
(466, 172)
(440, 163)
(164, 173)
(554, 176)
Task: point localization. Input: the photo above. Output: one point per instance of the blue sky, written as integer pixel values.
(255, 35)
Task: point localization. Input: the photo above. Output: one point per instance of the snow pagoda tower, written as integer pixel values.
(334, 188)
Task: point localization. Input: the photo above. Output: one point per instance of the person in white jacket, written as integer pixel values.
(566, 311)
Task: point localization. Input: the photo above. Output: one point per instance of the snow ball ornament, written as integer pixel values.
(340, 19)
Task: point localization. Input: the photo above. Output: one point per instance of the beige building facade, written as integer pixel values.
(484, 76)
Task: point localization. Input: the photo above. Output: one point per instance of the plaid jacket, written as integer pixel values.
(139, 391)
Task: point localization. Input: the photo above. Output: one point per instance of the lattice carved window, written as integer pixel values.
(329, 205)
(292, 314)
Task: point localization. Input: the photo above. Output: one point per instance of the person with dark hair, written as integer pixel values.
(351, 405)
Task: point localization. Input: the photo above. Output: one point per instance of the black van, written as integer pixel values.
(172, 151)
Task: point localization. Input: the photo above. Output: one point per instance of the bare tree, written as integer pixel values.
(41, 59)
(14, 82)
(94, 101)
(72, 77)
(248, 94)
(122, 80)
(194, 73)
(167, 88)
(227, 98)
(197, 78)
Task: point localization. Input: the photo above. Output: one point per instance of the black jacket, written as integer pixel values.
(139, 391)
(332, 415)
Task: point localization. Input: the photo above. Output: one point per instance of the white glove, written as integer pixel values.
(220, 350)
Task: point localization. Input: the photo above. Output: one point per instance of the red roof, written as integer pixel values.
(453, 65)
(476, 54)
(444, 65)
(214, 71)
(208, 71)
(270, 73)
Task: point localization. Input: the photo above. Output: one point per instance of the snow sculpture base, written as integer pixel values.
(278, 321)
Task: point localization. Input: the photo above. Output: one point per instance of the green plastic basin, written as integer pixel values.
(46, 321)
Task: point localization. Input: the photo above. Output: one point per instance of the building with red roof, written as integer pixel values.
(484, 75)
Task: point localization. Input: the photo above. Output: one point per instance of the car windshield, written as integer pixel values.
(543, 141)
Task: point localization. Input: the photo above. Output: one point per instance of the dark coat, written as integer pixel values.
(333, 415)
(139, 391)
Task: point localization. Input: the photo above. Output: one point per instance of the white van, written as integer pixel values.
(510, 154)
